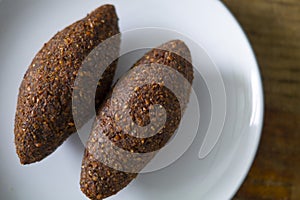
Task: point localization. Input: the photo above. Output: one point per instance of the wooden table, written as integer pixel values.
(273, 27)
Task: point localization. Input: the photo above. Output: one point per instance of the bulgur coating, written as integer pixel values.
(113, 132)
(43, 119)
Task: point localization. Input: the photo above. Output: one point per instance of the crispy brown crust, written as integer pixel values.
(98, 180)
(43, 118)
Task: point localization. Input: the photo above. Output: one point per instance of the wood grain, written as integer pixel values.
(273, 28)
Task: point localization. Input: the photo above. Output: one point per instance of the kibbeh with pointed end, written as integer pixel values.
(43, 119)
(112, 144)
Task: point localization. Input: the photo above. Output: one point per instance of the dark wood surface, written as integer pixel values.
(273, 28)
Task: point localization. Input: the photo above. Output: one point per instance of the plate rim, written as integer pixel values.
(260, 98)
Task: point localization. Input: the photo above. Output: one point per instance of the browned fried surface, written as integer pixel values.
(44, 111)
(113, 138)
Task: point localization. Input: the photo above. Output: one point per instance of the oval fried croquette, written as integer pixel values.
(111, 160)
(43, 118)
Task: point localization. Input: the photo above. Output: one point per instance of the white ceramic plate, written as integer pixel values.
(27, 24)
